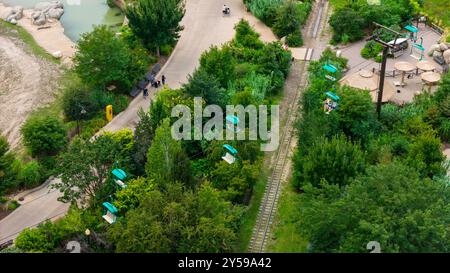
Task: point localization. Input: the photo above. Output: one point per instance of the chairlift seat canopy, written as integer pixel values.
(420, 47)
(230, 149)
(233, 119)
(120, 174)
(330, 68)
(411, 28)
(333, 96)
(110, 207)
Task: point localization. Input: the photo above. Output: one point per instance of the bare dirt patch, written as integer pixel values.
(27, 82)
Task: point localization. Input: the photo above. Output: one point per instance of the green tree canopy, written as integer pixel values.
(166, 160)
(86, 166)
(336, 161)
(177, 221)
(156, 22)
(103, 58)
(44, 134)
(390, 204)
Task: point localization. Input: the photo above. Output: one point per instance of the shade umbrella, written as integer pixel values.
(425, 66)
(404, 67)
(430, 78)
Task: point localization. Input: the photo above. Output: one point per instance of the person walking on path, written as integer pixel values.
(145, 93)
(163, 78)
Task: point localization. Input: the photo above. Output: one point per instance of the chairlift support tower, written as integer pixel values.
(386, 47)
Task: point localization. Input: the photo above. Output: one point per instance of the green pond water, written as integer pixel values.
(78, 19)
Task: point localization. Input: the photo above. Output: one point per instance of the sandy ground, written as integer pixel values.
(26, 82)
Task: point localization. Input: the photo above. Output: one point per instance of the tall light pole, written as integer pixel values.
(82, 113)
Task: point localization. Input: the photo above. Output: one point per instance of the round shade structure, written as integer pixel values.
(431, 77)
(404, 66)
(425, 66)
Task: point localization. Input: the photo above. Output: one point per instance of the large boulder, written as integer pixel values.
(45, 11)
(443, 47)
(18, 12)
(437, 54)
(12, 14)
(38, 18)
(446, 54)
(55, 13)
(6, 13)
(434, 48)
(45, 6)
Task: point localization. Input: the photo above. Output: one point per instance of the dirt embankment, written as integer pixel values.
(27, 82)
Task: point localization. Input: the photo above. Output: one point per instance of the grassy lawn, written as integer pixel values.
(29, 40)
(287, 238)
(249, 218)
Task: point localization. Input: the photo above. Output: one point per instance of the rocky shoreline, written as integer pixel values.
(43, 24)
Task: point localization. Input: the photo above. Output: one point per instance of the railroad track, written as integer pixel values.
(269, 203)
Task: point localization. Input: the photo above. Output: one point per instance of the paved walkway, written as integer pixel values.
(204, 26)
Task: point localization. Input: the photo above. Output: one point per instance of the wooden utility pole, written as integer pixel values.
(386, 47)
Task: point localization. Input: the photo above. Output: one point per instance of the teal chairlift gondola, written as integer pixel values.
(413, 32)
(331, 103)
(329, 68)
(229, 156)
(417, 50)
(110, 214)
(119, 175)
(232, 123)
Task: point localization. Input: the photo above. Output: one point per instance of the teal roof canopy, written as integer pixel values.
(110, 207)
(330, 68)
(333, 96)
(411, 28)
(230, 148)
(119, 173)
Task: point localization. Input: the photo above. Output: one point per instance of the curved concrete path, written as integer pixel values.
(204, 26)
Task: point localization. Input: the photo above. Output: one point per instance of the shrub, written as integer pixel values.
(295, 39)
(44, 134)
(166, 50)
(31, 174)
(265, 10)
(119, 102)
(13, 205)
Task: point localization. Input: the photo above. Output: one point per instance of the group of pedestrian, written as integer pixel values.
(155, 84)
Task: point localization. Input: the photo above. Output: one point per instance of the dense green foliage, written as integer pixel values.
(86, 165)
(104, 59)
(390, 204)
(181, 196)
(351, 19)
(176, 220)
(389, 173)
(286, 17)
(9, 167)
(44, 134)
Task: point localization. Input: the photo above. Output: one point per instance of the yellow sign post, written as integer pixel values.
(109, 113)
